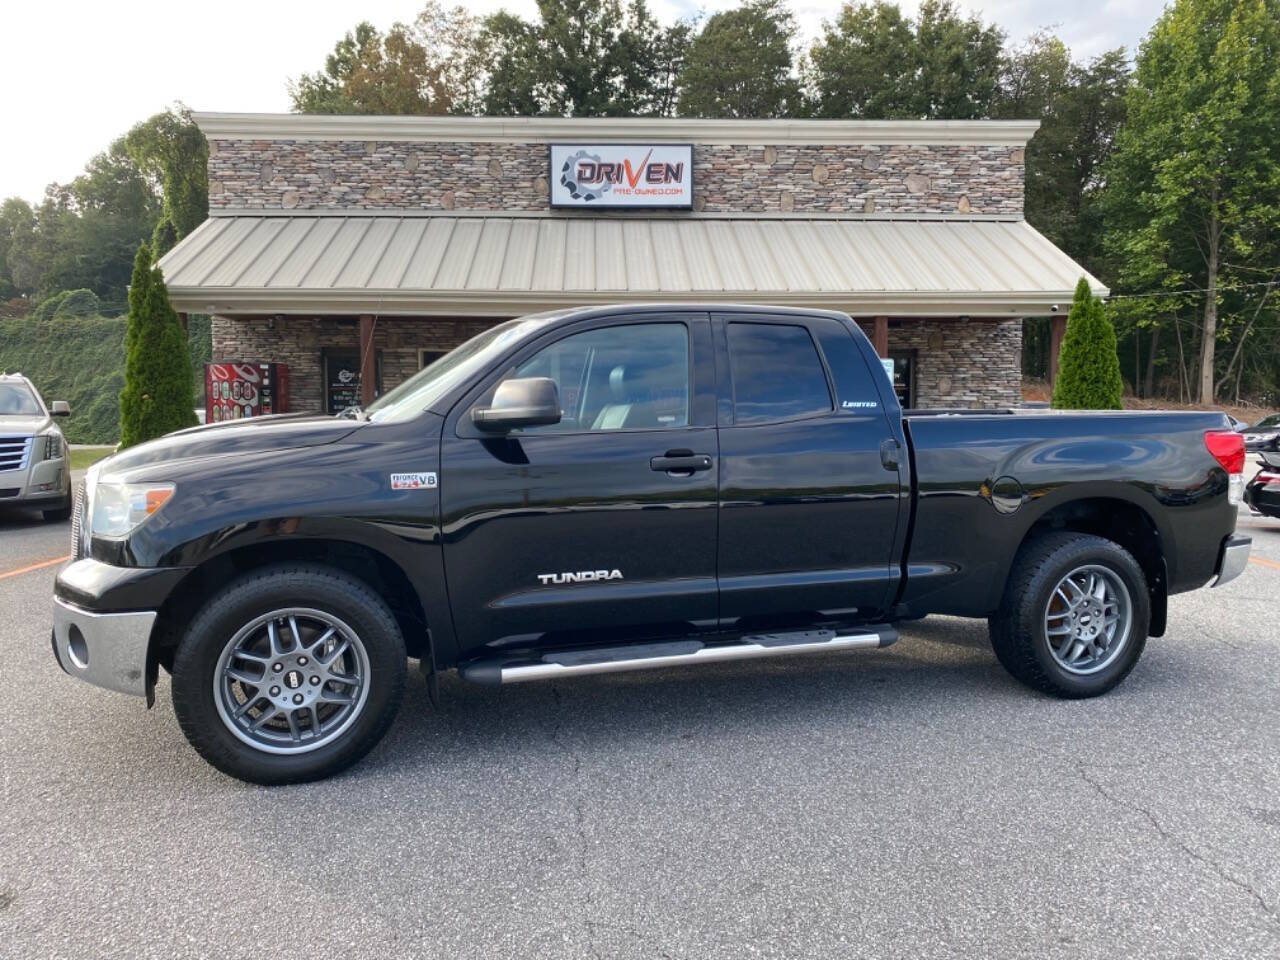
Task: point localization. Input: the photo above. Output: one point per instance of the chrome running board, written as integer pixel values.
(654, 656)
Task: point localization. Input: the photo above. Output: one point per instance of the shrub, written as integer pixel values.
(77, 303)
(68, 304)
(158, 385)
(1088, 366)
(47, 307)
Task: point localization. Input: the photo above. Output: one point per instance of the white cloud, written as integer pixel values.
(77, 73)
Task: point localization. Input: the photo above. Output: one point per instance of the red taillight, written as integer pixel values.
(1227, 448)
(1267, 478)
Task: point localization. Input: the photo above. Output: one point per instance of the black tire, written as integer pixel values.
(60, 513)
(1018, 629)
(262, 592)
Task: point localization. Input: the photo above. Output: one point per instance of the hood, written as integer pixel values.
(23, 425)
(235, 437)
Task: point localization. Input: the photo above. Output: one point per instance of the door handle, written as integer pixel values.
(889, 454)
(680, 461)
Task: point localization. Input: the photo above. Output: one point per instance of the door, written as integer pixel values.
(904, 377)
(601, 528)
(341, 380)
(809, 510)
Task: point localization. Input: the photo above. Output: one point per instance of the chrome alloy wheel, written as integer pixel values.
(291, 680)
(1088, 619)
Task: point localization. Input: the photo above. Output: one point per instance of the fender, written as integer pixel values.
(340, 492)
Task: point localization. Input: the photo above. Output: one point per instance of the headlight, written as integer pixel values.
(120, 508)
(47, 446)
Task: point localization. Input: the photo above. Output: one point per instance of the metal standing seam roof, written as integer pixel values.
(501, 265)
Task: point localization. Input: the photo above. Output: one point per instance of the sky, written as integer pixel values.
(81, 73)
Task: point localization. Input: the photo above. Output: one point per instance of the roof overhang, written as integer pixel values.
(498, 266)
(296, 126)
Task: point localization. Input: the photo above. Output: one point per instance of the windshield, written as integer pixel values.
(1267, 423)
(16, 399)
(456, 367)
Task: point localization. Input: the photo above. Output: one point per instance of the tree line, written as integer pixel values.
(150, 184)
(1160, 172)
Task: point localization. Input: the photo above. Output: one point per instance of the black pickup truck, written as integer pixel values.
(616, 489)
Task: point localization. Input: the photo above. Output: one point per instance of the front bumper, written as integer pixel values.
(106, 649)
(1233, 559)
(42, 483)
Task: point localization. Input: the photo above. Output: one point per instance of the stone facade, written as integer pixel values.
(792, 178)
(963, 363)
(958, 363)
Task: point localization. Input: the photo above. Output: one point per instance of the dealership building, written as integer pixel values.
(357, 249)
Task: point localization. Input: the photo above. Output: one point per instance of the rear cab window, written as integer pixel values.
(776, 373)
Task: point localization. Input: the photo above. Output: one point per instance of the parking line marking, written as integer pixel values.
(35, 566)
(1263, 562)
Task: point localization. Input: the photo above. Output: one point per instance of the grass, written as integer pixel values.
(82, 459)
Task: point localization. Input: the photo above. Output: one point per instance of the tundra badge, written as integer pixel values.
(583, 576)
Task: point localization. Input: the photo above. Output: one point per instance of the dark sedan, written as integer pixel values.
(1263, 435)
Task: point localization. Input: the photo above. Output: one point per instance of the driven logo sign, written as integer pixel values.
(621, 175)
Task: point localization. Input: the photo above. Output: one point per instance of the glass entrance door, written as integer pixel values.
(904, 376)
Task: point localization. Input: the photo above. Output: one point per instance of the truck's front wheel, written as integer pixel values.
(289, 674)
(1074, 617)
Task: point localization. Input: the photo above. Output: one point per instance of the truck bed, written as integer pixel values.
(982, 480)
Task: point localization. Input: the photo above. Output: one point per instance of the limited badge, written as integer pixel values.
(413, 481)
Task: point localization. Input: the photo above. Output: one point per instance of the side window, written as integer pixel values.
(614, 378)
(777, 374)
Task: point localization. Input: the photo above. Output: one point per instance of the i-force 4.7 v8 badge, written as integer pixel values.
(582, 576)
(413, 481)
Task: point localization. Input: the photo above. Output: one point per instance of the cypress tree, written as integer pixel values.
(1088, 366)
(158, 384)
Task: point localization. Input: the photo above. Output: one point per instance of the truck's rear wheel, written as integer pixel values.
(289, 674)
(1074, 617)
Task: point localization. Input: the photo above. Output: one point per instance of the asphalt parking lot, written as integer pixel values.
(911, 802)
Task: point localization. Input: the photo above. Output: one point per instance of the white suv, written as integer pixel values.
(34, 468)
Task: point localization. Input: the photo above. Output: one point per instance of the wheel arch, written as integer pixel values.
(1123, 521)
(368, 564)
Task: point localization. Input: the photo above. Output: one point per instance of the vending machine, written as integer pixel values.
(233, 391)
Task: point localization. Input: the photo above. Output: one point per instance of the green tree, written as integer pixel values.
(423, 68)
(158, 385)
(172, 153)
(1193, 188)
(872, 62)
(740, 64)
(1088, 367)
(960, 62)
(865, 64)
(83, 234)
(1080, 107)
(19, 276)
(581, 58)
(324, 91)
